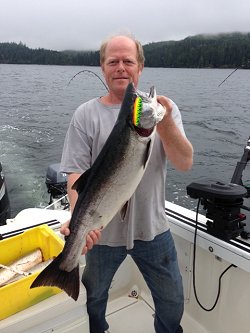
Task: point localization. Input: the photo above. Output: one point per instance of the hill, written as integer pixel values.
(201, 51)
(210, 51)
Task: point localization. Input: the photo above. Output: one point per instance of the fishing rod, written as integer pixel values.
(237, 176)
(228, 76)
(242, 66)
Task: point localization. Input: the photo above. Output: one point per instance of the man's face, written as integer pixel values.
(121, 65)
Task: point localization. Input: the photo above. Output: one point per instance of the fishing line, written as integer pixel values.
(91, 72)
(194, 259)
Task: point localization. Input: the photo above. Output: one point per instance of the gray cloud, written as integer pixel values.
(80, 24)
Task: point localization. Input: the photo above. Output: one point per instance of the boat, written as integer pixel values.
(214, 263)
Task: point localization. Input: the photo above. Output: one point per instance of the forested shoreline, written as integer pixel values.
(201, 51)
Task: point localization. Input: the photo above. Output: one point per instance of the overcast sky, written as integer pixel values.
(83, 24)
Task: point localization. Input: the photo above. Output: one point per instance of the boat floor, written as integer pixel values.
(134, 315)
(127, 314)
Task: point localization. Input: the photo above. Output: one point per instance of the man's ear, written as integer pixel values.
(141, 68)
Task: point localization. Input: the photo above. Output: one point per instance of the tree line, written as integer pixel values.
(201, 51)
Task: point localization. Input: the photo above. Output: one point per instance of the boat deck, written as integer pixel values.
(132, 315)
(127, 314)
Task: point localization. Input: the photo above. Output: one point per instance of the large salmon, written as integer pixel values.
(105, 188)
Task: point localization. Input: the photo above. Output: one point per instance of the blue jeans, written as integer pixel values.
(157, 261)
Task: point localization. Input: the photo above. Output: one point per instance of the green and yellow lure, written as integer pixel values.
(137, 111)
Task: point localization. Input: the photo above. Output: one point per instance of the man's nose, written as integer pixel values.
(121, 66)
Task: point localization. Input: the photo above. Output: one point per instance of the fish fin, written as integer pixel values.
(81, 182)
(124, 209)
(52, 275)
(147, 153)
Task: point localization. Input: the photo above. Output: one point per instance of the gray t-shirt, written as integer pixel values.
(90, 127)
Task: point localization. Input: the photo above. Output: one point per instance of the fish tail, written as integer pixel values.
(52, 275)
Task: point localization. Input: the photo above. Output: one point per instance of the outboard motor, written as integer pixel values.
(4, 200)
(56, 183)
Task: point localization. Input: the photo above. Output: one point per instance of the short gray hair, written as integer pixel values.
(139, 48)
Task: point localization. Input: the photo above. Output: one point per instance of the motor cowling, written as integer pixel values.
(56, 181)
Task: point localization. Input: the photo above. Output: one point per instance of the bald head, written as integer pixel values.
(121, 38)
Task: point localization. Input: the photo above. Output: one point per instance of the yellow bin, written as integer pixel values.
(18, 296)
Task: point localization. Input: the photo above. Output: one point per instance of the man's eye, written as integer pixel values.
(129, 62)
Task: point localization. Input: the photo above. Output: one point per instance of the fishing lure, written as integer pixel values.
(137, 111)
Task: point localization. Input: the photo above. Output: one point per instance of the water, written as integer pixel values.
(36, 106)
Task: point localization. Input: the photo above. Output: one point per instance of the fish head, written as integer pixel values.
(141, 110)
(146, 112)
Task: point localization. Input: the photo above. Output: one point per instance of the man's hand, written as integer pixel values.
(92, 238)
(177, 147)
(166, 103)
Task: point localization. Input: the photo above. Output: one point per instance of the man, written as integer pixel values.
(144, 233)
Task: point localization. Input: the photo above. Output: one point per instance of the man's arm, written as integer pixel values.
(178, 148)
(72, 194)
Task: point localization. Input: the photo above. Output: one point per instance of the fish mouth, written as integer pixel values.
(146, 97)
(144, 132)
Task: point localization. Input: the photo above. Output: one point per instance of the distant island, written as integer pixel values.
(231, 50)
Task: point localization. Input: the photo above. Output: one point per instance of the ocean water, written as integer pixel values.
(36, 105)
